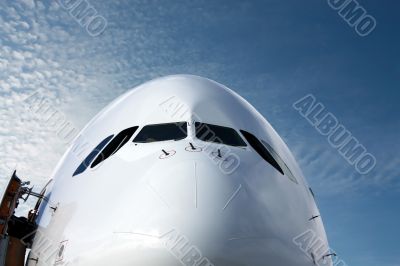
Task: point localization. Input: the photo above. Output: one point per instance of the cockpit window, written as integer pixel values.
(280, 161)
(162, 132)
(261, 150)
(120, 140)
(269, 154)
(88, 160)
(218, 134)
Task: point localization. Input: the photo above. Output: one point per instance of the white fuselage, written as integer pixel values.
(177, 202)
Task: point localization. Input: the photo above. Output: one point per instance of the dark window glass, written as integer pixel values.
(120, 140)
(162, 132)
(218, 134)
(280, 161)
(261, 150)
(88, 160)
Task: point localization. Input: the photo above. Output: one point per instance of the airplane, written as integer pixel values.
(180, 170)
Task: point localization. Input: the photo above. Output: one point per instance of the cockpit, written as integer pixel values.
(177, 131)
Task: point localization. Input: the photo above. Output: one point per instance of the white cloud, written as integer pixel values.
(28, 3)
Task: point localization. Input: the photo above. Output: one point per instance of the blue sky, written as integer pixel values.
(272, 52)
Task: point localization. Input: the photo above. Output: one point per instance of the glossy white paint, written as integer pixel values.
(128, 210)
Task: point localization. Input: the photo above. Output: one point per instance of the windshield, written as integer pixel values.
(162, 132)
(218, 134)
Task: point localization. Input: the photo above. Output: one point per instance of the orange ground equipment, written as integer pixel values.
(14, 230)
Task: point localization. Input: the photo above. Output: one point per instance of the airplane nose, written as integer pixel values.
(192, 214)
(187, 212)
